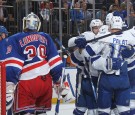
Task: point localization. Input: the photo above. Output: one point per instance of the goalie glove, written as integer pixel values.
(65, 91)
(10, 89)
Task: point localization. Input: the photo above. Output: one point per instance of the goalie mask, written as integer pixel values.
(31, 22)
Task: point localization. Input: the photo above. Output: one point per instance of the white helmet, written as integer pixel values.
(116, 22)
(31, 22)
(108, 18)
(95, 22)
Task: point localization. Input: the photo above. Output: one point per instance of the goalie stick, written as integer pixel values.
(59, 94)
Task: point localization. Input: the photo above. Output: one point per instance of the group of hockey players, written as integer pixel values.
(105, 82)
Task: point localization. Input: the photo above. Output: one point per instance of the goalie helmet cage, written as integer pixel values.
(2, 89)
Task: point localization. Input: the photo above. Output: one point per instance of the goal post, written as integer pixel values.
(2, 89)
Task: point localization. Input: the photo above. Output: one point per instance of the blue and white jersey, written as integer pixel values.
(80, 60)
(109, 47)
(88, 35)
(31, 54)
(132, 31)
(131, 61)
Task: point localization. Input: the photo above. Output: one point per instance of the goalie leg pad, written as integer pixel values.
(9, 101)
(10, 88)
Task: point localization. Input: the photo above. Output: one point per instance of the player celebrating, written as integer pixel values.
(86, 78)
(114, 79)
(32, 62)
(131, 73)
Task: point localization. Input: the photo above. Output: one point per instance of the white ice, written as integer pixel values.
(65, 109)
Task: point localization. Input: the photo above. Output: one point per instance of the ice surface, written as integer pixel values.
(65, 109)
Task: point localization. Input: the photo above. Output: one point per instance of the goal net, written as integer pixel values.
(2, 89)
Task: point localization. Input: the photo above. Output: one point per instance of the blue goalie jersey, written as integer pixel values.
(31, 54)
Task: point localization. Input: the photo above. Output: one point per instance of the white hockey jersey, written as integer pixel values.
(80, 60)
(108, 47)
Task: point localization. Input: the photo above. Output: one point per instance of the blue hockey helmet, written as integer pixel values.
(3, 30)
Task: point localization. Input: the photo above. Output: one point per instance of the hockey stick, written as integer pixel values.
(91, 82)
(63, 48)
(59, 94)
(79, 80)
(114, 33)
(88, 73)
(94, 92)
(68, 78)
(96, 39)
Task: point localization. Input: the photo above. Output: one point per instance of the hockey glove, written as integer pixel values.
(80, 42)
(127, 52)
(65, 92)
(113, 63)
(10, 89)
